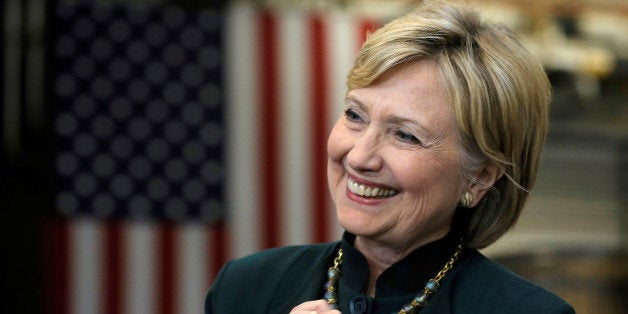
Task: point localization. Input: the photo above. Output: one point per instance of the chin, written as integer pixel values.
(357, 222)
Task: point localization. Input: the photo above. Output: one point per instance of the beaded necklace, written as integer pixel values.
(432, 285)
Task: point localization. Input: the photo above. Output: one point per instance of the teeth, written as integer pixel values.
(368, 191)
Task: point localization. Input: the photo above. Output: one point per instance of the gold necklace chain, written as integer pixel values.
(432, 285)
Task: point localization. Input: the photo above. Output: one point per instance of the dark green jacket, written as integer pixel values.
(276, 280)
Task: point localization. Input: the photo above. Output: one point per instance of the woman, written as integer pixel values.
(432, 159)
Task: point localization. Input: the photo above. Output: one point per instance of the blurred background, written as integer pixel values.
(146, 142)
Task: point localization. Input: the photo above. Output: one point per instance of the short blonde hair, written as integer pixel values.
(500, 95)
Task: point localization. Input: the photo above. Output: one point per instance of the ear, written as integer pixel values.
(484, 181)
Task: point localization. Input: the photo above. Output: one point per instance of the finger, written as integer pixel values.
(317, 312)
(317, 306)
(313, 306)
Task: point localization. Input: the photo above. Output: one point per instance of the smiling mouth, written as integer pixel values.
(369, 191)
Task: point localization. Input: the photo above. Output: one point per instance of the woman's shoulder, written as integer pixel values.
(273, 265)
(288, 255)
(490, 287)
(479, 269)
(279, 278)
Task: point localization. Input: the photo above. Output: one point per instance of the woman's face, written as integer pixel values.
(393, 168)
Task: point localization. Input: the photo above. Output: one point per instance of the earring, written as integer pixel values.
(467, 198)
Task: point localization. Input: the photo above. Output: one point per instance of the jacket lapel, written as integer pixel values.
(304, 280)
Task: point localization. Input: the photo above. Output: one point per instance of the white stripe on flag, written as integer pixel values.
(86, 266)
(139, 268)
(242, 151)
(342, 37)
(295, 127)
(191, 240)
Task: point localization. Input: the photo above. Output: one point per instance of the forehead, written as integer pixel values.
(413, 90)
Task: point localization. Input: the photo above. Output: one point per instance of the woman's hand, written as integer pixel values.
(314, 307)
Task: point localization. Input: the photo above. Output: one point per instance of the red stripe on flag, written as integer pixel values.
(57, 275)
(269, 132)
(218, 248)
(112, 269)
(166, 270)
(366, 28)
(319, 108)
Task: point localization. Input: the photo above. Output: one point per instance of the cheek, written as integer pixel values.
(335, 153)
(337, 144)
(424, 175)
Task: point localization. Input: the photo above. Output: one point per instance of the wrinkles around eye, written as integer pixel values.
(407, 137)
(353, 116)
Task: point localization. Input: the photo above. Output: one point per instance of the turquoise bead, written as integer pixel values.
(332, 273)
(328, 285)
(431, 286)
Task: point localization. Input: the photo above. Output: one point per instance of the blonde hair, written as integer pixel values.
(499, 92)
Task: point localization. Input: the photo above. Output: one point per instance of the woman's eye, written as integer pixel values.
(352, 115)
(407, 137)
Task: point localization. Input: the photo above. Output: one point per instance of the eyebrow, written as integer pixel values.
(355, 100)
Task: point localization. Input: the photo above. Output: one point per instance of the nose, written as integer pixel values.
(365, 156)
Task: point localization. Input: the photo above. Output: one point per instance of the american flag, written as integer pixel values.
(185, 138)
